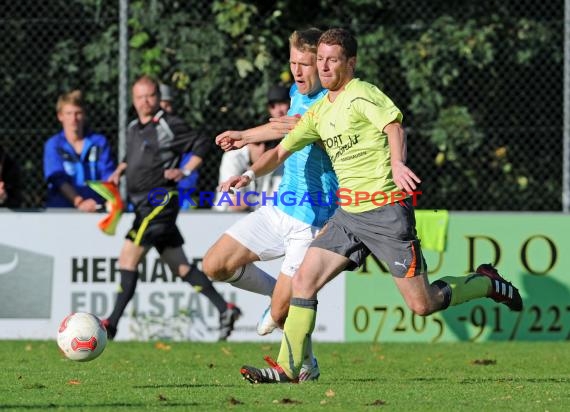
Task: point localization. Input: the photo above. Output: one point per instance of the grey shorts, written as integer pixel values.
(388, 232)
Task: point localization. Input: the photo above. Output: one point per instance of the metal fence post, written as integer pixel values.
(566, 120)
(123, 80)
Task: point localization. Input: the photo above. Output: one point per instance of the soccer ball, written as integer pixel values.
(81, 336)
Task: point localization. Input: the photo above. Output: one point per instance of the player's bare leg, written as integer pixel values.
(319, 267)
(280, 299)
(230, 261)
(131, 255)
(421, 297)
(424, 298)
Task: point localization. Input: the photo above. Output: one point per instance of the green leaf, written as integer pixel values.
(139, 40)
(244, 67)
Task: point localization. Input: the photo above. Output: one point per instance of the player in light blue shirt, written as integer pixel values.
(293, 217)
(308, 187)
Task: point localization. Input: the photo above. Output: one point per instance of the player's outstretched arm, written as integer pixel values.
(268, 162)
(230, 140)
(403, 176)
(284, 124)
(275, 129)
(234, 182)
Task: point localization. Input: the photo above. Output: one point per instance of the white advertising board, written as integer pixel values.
(54, 263)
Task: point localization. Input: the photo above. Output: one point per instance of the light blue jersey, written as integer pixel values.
(308, 188)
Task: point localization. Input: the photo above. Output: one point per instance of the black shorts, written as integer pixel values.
(388, 232)
(156, 225)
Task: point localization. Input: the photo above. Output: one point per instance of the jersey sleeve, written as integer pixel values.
(302, 135)
(188, 140)
(378, 108)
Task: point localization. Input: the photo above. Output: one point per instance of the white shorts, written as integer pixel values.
(270, 234)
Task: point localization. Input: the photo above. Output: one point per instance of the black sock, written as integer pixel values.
(129, 280)
(446, 291)
(203, 285)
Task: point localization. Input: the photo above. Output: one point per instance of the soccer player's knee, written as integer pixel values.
(421, 307)
(297, 282)
(211, 267)
(304, 282)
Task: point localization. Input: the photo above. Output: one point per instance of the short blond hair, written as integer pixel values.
(74, 97)
(305, 40)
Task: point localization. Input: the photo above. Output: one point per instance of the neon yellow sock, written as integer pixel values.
(298, 328)
(465, 288)
(308, 358)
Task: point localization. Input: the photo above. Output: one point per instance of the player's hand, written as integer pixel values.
(88, 206)
(230, 140)
(284, 124)
(234, 182)
(115, 177)
(404, 177)
(173, 174)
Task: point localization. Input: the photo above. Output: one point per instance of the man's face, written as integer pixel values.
(145, 99)
(166, 105)
(71, 118)
(304, 69)
(335, 70)
(278, 109)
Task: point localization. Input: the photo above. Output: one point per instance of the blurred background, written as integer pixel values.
(480, 83)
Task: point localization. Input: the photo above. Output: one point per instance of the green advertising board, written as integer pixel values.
(530, 250)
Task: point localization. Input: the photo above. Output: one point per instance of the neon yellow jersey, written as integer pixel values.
(351, 130)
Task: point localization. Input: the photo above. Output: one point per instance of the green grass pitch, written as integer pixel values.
(181, 376)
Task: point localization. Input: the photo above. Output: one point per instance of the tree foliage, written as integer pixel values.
(466, 76)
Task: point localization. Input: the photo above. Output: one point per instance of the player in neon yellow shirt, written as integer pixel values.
(353, 135)
(361, 130)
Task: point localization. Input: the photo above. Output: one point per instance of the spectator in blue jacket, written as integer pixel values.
(74, 156)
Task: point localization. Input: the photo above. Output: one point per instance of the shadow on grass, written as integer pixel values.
(104, 406)
(466, 381)
(529, 380)
(424, 379)
(182, 385)
(363, 380)
(383, 380)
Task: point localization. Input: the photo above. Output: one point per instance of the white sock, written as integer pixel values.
(252, 278)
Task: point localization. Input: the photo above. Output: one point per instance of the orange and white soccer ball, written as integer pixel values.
(81, 336)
